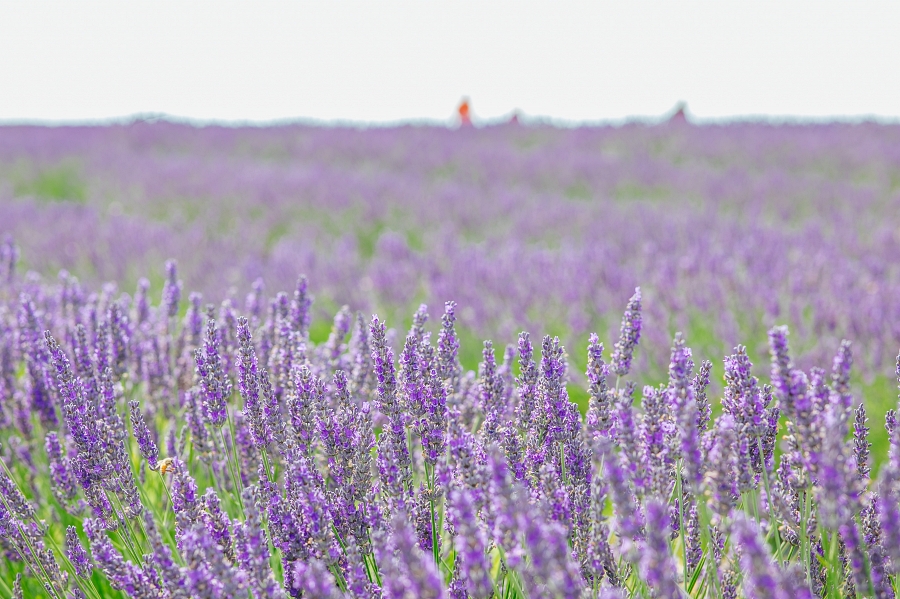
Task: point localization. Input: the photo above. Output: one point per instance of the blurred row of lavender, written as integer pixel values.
(727, 229)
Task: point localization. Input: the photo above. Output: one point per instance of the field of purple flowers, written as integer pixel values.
(210, 431)
(728, 230)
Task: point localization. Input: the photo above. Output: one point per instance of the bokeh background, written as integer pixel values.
(284, 140)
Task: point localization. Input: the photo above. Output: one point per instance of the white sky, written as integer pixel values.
(389, 60)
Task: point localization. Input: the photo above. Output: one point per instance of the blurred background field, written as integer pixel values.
(727, 229)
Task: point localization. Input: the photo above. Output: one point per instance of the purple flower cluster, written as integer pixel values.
(306, 465)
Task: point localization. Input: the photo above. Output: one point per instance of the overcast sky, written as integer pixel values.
(386, 60)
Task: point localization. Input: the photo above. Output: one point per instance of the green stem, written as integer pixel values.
(684, 548)
(804, 537)
(435, 549)
(235, 480)
(773, 525)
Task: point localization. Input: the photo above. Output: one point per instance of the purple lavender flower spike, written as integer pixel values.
(599, 415)
(874, 540)
(600, 561)
(527, 382)
(448, 349)
(76, 553)
(305, 406)
(406, 570)
(314, 581)
(249, 386)
(9, 256)
(782, 371)
(657, 565)
(361, 358)
(491, 393)
(118, 339)
(761, 577)
(721, 478)
(626, 437)
(861, 445)
(122, 575)
(629, 336)
(142, 434)
(552, 571)
(699, 384)
(62, 479)
(185, 502)
(300, 304)
(207, 572)
(171, 289)
(252, 549)
(214, 382)
(654, 431)
(629, 520)
(840, 374)
(141, 303)
(889, 511)
(411, 392)
(418, 326)
(432, 427)
(161, 560)
(471, 545)
(193, 320)
(394, 463)
(217, 523)
(37, 362)
(17, 587)
(684, 404)
(855, 552)
(334, 346)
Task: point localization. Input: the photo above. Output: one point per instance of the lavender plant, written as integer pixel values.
(228, 455)
(728, 229)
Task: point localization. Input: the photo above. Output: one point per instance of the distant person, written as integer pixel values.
(465, 119)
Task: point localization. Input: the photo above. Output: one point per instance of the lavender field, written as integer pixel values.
(687, 390)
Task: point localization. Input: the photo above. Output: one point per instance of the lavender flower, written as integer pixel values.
(861, 444)
(527, 381)
(599, 415)
(142, 435)
(249, 386)
(76, 553)
(185, 502)
(491, 393)
(471, 545)
(654, 431)
(657, 564)
(406, 570)
(217, 523)
(761, 578)
(213, 381)
(252, 549)
(315, 581)
(122, 575)
(61, 477)
(171, 289)
(448, 349)
(889, 511)
(629, 336)
(699, 385)
(300, 304)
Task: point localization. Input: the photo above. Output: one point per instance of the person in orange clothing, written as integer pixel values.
(465, 120)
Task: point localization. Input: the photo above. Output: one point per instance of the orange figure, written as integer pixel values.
(465, 120)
